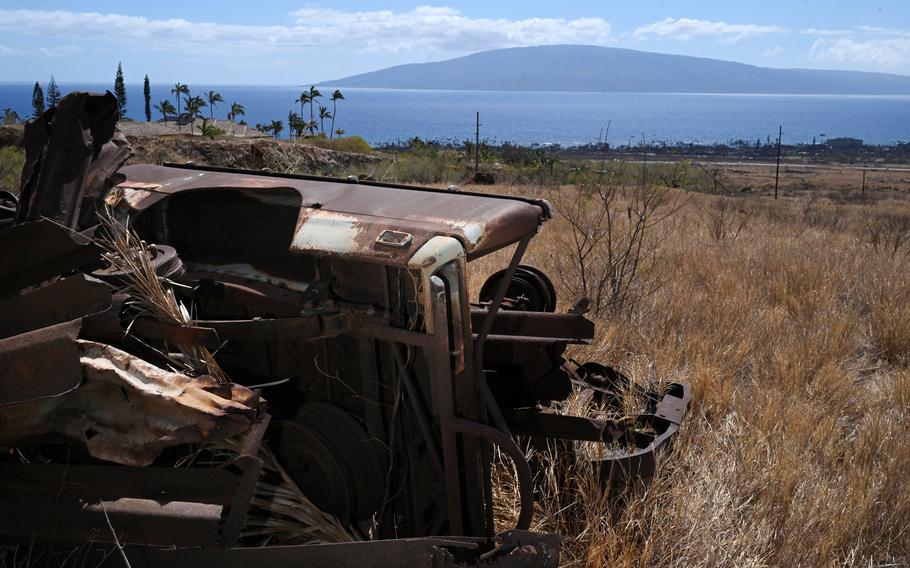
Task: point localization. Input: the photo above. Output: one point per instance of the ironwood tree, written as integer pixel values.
(37, 100)
(120, 91)
(53, 93)
(147, 93)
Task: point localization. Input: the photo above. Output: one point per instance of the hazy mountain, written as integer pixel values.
(589, 68)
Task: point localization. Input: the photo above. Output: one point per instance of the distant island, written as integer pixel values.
(609, 69)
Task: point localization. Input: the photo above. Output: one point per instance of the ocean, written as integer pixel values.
(565, 118)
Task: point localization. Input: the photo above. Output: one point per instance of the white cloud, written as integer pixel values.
(773, 51)
(890, 52)
(425, 28)
(688, 28)
(11, 51)
(856, 31)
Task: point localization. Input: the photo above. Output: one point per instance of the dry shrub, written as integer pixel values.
(889, 232)
(724, 219)
(611, 241)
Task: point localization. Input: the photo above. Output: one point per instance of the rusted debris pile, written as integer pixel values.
(342, 302)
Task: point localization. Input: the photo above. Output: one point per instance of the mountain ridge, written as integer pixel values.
(612, 69)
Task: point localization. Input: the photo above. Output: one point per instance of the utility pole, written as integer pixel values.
(780, 132)
(864, 183)
(477, 145)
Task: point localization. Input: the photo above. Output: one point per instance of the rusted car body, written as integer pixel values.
(342, 314)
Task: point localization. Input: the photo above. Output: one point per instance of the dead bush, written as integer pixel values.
(612, 239)
(888, 233)
(724, 219)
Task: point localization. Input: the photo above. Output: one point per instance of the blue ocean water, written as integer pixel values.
(389, 115)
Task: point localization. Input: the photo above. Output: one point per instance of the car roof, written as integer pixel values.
(351, 217)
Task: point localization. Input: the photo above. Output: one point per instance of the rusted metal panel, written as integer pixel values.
(127, 410)
(70, 152)
(31, 253)
(62, 301)
(39, 364)
(347, 219)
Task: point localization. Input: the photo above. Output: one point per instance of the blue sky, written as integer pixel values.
(290, 43)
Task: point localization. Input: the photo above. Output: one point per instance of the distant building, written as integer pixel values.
(845, 143)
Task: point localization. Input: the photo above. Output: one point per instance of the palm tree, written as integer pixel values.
(10, 116)
(180, 89)
(303, 99)
(276, 126)
(339, 132)
(313, 95)
(165, 108)
(296, 124)
(310, 127)
(236, 110)
(193, 105)
(336, 96)
(213, 98)
(323, 114)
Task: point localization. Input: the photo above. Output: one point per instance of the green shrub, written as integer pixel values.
(354, 144)
(211, 131)
(11, 161)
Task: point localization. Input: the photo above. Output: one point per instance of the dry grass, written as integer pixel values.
(151, 295)
(795, 336)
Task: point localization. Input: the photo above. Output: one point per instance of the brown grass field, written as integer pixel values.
(794, 333)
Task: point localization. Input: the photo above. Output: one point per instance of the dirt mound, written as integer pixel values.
(247, 154)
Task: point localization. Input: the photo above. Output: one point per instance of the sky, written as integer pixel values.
(284, 42)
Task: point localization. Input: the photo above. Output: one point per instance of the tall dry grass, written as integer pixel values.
(795, 336)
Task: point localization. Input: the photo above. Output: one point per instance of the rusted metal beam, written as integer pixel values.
(569, 328)
(515, 549)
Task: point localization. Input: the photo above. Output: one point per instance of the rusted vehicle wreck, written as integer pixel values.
(338, 317)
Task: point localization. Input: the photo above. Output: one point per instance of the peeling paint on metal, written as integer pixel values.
(326, 231)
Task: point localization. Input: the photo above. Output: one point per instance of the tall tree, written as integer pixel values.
(193, 106)
(166, 109)
(336, 96)
(323, 114)
(313, 95)
(120, 91)
(295, 124)
(276, 127)
(37, 101)
(10, 116)
(52, 96)
(236, 110)
(303, 99)
(147, 93)
(213, 98)
(179, 89)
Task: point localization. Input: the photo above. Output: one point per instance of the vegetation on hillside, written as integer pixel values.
(11, 161)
